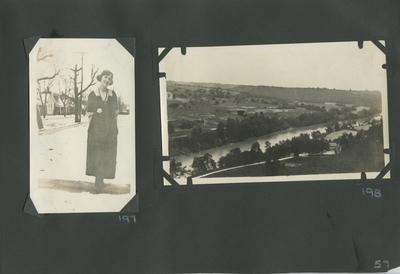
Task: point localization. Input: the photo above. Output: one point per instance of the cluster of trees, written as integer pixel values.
(375, 132)
(336, 126)
(176, 169)
(203, 164)
(197, 141)
(45, 82)
(243, 128)
(313, 107)
(287, 105)
(69, 80)
(183, 124)
(206, 163)
(286, 148)
(305, 143)
(65, 82)
(296, 146)
(236, 157)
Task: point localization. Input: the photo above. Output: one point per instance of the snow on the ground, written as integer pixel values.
(55, 201)
(58, 121)
(60, 153)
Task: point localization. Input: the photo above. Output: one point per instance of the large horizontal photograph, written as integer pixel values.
(82, 125)
(265, 113)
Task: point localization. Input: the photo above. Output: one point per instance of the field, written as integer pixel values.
(208, 105)
(209, 115)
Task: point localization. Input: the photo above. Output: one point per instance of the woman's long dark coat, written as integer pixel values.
(102, 136)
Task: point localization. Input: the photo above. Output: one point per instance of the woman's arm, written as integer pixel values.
(116, 107)
(90, 107)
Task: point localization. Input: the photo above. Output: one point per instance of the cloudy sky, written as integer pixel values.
(340, 65)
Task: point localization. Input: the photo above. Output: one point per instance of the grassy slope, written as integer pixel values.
(366, 156)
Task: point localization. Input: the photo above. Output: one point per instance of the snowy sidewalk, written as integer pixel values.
(79, 187)
(59, 183)
(59, 121)
(61, 152)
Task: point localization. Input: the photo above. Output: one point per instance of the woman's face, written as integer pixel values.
(106, 80)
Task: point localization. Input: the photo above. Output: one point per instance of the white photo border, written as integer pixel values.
(270, 179)
(103, 54)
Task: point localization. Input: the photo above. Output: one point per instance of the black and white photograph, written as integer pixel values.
(82, 125)
(274, 113)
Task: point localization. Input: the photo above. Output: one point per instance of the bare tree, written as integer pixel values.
(43, 54)
(44, 92)
(45, 82)
(65, 95)
(78, 93)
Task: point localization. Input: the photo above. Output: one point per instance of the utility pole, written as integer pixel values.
(76, 94)
(79, 106)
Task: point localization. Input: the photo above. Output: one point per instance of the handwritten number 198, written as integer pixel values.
(375, 193)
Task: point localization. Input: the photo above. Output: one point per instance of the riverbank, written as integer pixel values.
(365, 156)
(273, 138)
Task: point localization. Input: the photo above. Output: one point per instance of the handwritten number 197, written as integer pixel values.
(127, 218)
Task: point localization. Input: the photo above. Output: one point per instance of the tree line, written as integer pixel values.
(311, 144)
(236, 157)
(243, 128)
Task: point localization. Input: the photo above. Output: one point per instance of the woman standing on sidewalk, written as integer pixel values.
(102, 110)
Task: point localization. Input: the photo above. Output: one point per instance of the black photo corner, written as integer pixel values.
(341, 225)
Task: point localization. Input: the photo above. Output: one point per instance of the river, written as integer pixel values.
(273, 138)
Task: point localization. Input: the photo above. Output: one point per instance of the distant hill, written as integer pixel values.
(365, 98)
(315, 95)
(202, 85)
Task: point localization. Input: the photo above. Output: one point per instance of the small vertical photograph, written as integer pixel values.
(82, 125)
(274, 113)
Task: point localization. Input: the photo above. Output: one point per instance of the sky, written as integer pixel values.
(340, 65)
(104, 54)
